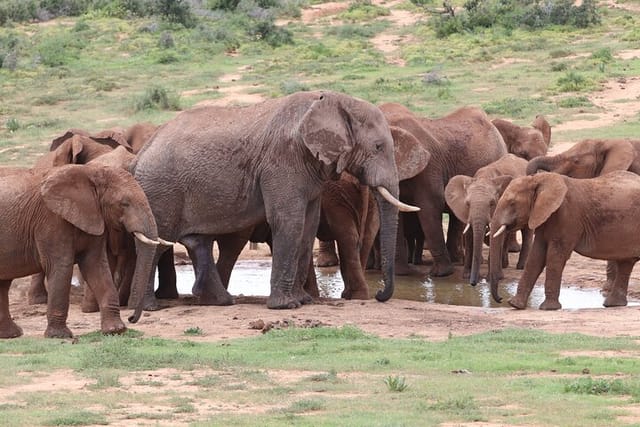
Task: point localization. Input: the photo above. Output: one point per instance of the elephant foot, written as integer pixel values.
(151, 303)
(615, 300)
(279, 301)
(34, 299)
(10, 329)
(208, 298)
(58, 332)
(326, 260)
(356, 294)
(167, 292)
(302, 297)
(514, 247)
(441, 270)
(518, 303)
(550, 305)
(520, 265)
(466, 274)
(113, 327)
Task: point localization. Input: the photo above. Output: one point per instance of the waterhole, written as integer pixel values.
(251, 277)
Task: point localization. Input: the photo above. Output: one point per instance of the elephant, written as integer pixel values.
(459, 144)
(525, 142)
(213, 171)
(590, 158)
(473, 201)
(77, 146)
(138, 134)
(596, 217)
(53, 219)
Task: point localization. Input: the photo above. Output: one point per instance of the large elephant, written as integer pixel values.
(459, 144)
(52, 220)
(218, 170)
(590, 158)
(523, 141)
(473, 200)
(597, 218)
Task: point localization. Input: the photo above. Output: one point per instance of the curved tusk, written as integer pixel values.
(466, 228)
(500, 230)
(165, 242)
(403, 207)
(145, 239)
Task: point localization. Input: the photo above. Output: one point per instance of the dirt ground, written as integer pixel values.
(395, 318)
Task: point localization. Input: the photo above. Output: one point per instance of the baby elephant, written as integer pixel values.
(51, 220)
(597, 218)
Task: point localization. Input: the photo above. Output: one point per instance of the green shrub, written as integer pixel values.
(12, 124)
(363, 10)
(574, 102)
(59, 49)
(597, 386)
(223, 4)
(157, 97)
(572, 82)
(396, 383)
(291, 86)
(559, 66)
(176, 11)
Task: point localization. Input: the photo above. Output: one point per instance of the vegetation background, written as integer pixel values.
(97, 64)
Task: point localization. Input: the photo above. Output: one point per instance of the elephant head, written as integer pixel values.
(473, 201)
(138, 134)
(527, 201)
(590, 158)
(352, 135)
(525, 142)
(94, 198)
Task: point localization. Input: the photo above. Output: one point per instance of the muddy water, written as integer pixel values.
(251, 277)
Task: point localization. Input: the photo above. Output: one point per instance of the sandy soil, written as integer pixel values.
(396, 318)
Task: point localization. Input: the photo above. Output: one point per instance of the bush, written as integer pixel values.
(176, 11)
(57, 50)
(572, 82)
(157, 97)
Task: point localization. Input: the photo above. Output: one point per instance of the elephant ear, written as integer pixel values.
(67, 135)
(543, 126)
(549, 196)
(69, 192)
(455, 193)
(67, 153)
(326, 131)
(111, 136)
(411, 157)
(619, 154)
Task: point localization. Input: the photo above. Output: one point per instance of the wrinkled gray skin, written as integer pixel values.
(523, 141)
(597, 218)
(459, 144)
(218, 170)
(473, 200)
(590, 158)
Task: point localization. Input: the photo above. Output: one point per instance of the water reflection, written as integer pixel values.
(251, 277)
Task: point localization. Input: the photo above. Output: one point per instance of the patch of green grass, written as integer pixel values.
(363, 10)
(77, 418)
(306, 405)
(105, 379)
(596, 386)
(157, 97)
(194, 331)
(573, 81)
(396, 383)
(574, 102)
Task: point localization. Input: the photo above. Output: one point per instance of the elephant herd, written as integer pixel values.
(311, 164)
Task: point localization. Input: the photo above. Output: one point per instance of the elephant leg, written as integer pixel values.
(311, 285)
(617, 295)
(373, 262)
(167, 285)
(355, 285)
(37, 293)
(505, 250)
(527, 236)
(402, 253)
(89, 301)
(8, 328)
(311, 222)
(59, 280)
(557, 257)
(532, 270)
(411, 248)
(327, 256)
(454, 239)
(230, 247)
(208, 286)
(95, 270)
(417, 253)
(612, 270)
(431, 223)
(512, 243)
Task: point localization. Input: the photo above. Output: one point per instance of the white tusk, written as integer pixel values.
(395, 202)
(500, 230)
(145, 239)
(165, 242)
(466, 228)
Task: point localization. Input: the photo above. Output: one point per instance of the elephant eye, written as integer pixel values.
(379, 146)
(125, 203)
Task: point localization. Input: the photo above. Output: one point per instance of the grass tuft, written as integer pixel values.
(396, 383)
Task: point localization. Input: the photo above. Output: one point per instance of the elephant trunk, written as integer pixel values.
(388, 231)
(142, 275)
(496, 245)
(544, 163)
(479, 227)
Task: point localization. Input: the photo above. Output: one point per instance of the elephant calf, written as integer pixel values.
(51, 220)
(597, 218)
